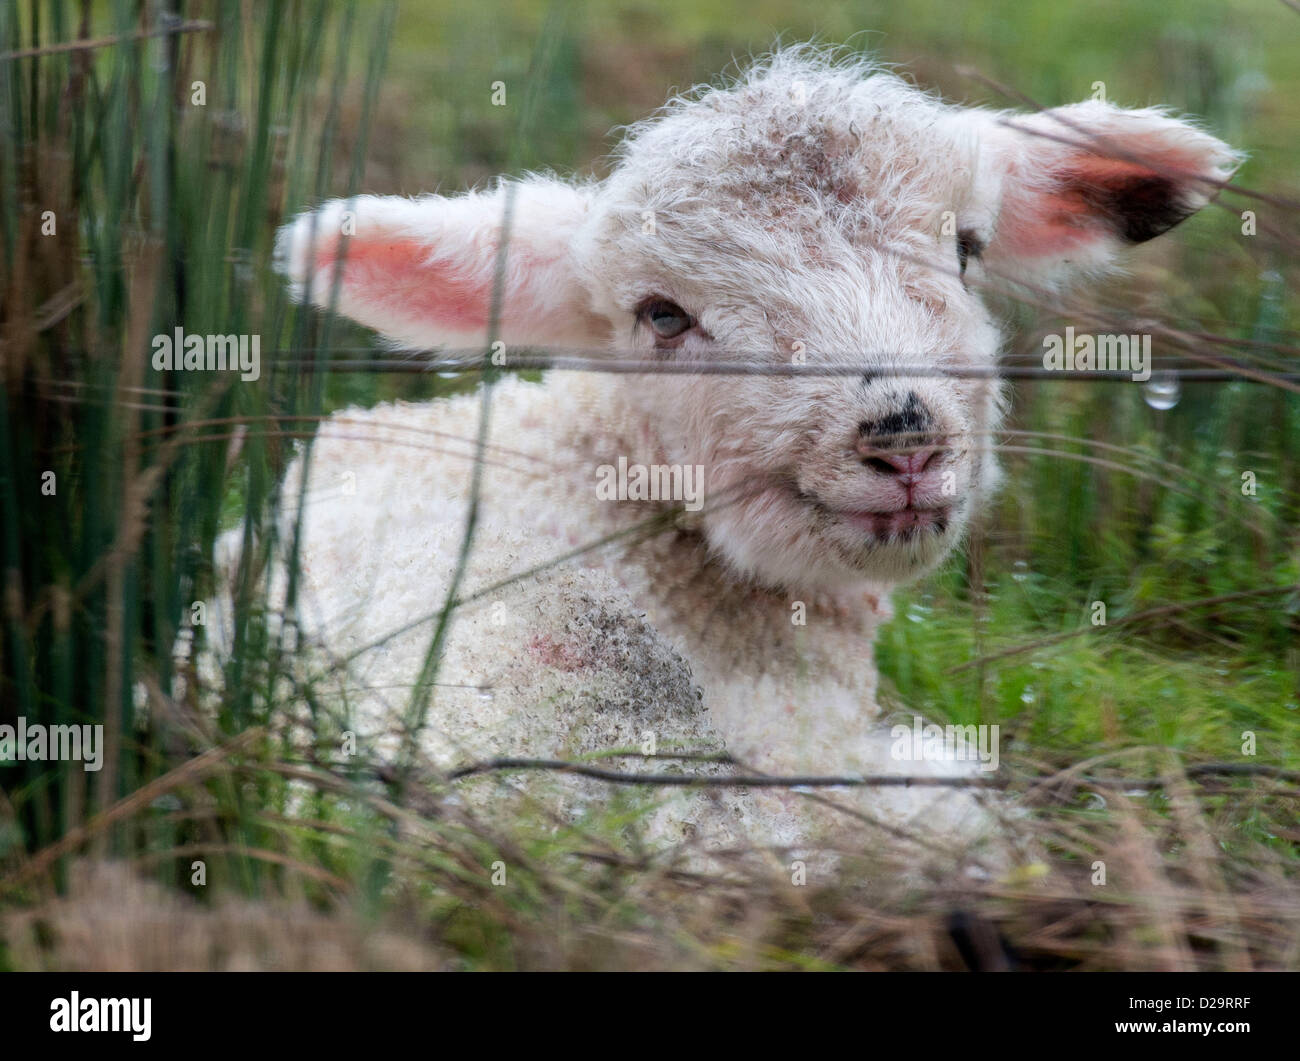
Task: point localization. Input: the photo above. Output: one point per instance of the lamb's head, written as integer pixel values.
(822, 232)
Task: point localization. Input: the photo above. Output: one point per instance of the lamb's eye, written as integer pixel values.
(969, 246)
(667, 319)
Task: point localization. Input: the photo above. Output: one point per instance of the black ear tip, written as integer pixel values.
(1141, 206)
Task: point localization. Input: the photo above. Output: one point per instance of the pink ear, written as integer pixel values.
(1083, 181)
(402, 277)
(423, 271)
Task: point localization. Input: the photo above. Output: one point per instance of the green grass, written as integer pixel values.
(1095, 692)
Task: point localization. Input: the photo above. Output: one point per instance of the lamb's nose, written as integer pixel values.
(908, 464)
(902, 444)
(911, 463)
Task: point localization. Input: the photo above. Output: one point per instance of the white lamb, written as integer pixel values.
(816, 212)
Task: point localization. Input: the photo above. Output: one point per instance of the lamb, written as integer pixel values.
(816, 211)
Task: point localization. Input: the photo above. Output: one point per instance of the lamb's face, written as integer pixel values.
(871, 469)
(817, 218)
(823, 254)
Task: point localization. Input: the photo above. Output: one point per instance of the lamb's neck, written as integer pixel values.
(715, 617)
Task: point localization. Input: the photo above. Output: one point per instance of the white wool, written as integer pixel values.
(811, 212)
(591, 654)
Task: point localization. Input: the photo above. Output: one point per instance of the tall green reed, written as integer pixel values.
(141, 180)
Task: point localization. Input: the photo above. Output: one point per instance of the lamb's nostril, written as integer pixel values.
(908, 463)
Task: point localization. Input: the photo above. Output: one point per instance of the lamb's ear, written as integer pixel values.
(422, 271)
(1082, 182)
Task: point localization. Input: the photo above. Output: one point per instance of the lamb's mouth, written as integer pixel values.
(904, 524)
(899, 525)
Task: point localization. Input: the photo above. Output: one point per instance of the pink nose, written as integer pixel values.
(910, 463)
(908, 466)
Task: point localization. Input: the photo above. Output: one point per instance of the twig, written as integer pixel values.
(195, 26)
(740, 780)
(847, 781)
